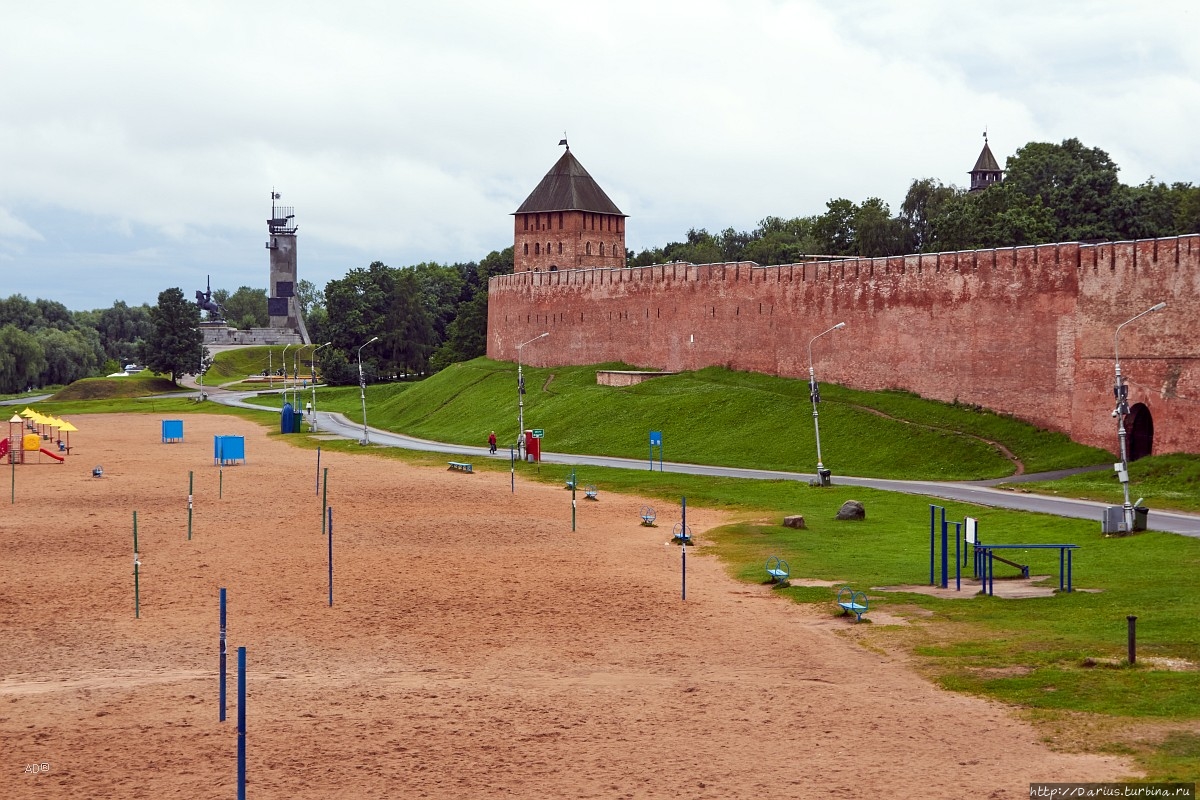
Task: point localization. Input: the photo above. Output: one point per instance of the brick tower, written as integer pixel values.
(568, 222)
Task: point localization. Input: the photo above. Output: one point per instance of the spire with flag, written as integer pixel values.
(563, 141)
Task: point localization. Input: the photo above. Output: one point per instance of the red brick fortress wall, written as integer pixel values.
(1160, 353)
(1019, 331)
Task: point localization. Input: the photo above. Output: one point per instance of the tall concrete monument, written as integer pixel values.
(282, 305)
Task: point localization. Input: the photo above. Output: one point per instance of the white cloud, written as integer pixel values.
(406, 132)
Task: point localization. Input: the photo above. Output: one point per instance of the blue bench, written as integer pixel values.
(461, 466)
(852, 601)
(778, 569)
(590, 492)
(648, 516)
(682, 535)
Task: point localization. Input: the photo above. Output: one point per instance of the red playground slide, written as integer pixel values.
(55, 456)
(3, 447)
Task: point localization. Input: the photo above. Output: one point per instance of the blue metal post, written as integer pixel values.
(1061, 572)
(318, 471)
(512, 468)
(331, 558)
(324, 499)
(957, 558)
(241, 779)
(221, 690)
(932, 547)
(1069, 589)
(945, 552)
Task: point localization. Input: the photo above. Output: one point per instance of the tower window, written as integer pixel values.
(527, 248)
(588, 248)
(537, 249)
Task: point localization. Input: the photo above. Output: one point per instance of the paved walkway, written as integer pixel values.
(977, 492)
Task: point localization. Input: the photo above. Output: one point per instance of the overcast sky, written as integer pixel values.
(140, 141)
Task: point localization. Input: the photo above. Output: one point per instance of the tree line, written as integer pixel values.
(1050, 193)
(428, 316)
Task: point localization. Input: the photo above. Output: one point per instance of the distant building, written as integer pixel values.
(986, 171)
(568, 222)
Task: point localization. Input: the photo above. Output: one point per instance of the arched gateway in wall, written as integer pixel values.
(1139, 432)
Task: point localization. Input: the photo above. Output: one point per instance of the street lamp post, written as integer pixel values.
(312, 425)
(362, 389)
(815, 394)
(1121, 393)
(521, 391)
(283, 358)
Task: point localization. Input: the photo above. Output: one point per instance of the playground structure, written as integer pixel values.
(25, 437)
(983, 568)
(778, 569)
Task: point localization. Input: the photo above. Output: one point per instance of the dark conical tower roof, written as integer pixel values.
(986, 161)
(987, 171)
(568, 187)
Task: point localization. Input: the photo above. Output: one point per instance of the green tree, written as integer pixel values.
(925, 202)
(408, 335)
(700, 248)
(175, 345)
(247, 308)
(1077, 184)
(122, 328)
(781, 241)
(876, 233)
(466, 336)
(69, 355)
(834, 230)
(22, 361)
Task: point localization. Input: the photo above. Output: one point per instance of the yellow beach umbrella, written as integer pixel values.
(67, 427)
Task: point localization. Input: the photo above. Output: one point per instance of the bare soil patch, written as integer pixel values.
(476, 646)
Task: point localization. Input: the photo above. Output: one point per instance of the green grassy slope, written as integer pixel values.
(715, 416)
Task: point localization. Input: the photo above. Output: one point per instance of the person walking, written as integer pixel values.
(492, 443)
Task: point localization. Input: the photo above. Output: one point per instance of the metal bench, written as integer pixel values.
(778, 569)
(461, 466)
(590, 492)
(648, 516)
(852, 601)
(682, 535)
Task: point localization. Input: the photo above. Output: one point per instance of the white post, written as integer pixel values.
(521, 393)
(312, 425)
(816, 398)
(1121, 412)
(362, 389)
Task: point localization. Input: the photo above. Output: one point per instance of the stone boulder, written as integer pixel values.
(852, 509)
(794, 521)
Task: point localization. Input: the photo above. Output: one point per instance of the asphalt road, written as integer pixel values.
(968, 492)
